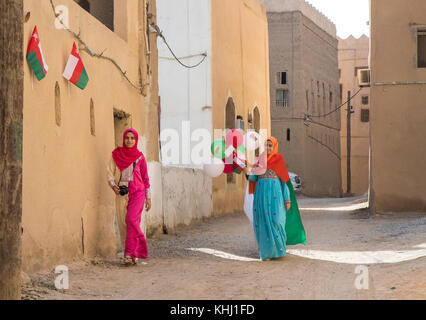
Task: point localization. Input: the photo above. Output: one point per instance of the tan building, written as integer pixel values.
(69, 211)
(398, 113)
(229, 89)
(304, 91)
(353, 55)
(240, 83)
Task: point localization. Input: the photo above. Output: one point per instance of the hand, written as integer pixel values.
(116, 190)
(246, 170)
(147, 204)
(287, 205)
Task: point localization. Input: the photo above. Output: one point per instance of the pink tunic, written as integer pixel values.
(136, 246)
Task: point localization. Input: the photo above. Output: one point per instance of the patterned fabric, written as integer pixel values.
(269, 174)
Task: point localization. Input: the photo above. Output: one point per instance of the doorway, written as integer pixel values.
(122, 122)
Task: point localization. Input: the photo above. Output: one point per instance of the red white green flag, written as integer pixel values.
(35, 56)
(75, 71)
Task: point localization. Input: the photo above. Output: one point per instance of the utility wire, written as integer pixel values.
(325, 146)
(160, 34)
(327, 114)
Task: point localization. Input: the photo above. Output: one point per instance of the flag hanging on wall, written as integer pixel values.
(35, 56)
(75, 71)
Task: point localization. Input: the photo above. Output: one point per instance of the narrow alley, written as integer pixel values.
(391, 248)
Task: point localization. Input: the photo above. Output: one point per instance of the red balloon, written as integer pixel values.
(235, 138)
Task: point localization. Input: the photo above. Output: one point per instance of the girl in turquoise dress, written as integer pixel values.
(271, 203)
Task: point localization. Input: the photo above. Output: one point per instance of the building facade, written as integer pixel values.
(398, 113)
(230, 86)
(69, 210)
(353, 55)
(304, 91)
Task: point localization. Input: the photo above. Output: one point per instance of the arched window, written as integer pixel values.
(256, 125)
(230, 118)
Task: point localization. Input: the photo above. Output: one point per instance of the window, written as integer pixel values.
(307, 99)
(421, 48)
(103, 10)
(323, 97)
(364, 100)
(84, 4)
(282, 98)
(230, 123)
(282, 77)
(288, 134)
(365, 115)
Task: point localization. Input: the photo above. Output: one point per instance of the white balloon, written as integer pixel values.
(214, 167)
(252, 140)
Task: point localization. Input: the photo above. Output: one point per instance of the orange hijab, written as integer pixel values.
(276, 163)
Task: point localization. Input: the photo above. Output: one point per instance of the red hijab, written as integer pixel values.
(123, 156)
(276, 163)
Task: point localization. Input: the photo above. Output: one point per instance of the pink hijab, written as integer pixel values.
(124, 156)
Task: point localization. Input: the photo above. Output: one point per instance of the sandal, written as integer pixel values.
(128, 261)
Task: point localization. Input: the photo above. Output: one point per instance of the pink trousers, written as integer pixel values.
(136, 246)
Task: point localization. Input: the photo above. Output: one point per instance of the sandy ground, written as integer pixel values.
(174, 272)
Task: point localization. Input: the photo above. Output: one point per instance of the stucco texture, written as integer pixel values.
(398, 114)
(240, 70)
(68, 207)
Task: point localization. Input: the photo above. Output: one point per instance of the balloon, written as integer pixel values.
(214, 167)
(252, 140)
(235, 138)
(229, 168)
(218, 148)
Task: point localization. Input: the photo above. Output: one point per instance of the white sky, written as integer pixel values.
(349, 16)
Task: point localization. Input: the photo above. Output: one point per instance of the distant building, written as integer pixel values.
(398, 100)
(353, 55)
(304, 84)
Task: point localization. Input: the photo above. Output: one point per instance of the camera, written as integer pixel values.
(123, 190)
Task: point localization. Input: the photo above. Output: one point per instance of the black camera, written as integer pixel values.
(123, 190)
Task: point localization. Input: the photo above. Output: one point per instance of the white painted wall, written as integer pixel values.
(186, 25)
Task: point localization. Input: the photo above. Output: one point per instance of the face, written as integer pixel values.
(130, 140)
(269, 147)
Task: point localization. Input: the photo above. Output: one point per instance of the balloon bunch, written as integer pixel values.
(229, 153)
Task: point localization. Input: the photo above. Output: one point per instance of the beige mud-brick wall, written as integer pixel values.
(398, 113)
(303, 44)
(68, 207)
(353, 54)
(240, 69)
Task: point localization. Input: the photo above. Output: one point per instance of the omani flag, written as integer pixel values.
(75, 71)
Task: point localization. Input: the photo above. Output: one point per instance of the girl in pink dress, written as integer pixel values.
(133, 172)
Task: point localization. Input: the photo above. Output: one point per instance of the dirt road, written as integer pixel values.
(388, 250)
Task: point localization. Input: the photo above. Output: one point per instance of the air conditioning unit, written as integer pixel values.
(363, 77)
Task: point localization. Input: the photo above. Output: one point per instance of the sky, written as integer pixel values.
(349, 16)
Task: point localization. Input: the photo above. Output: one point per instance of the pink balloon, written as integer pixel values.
(235, 138)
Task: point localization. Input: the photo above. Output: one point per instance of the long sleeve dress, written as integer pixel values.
(136, 177)
(269, 214)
